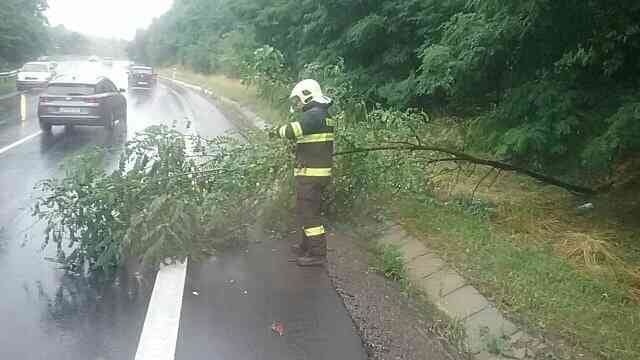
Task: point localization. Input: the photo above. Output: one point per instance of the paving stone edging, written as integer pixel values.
(452, 294)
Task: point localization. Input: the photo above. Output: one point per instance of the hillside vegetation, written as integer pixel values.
(551, 85)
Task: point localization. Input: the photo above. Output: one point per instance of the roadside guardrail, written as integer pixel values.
(8, 74)
(6, 78)
(7, 82)
(11, 107)
(11, 103)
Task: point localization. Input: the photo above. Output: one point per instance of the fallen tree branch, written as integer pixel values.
(460, 156)
(473, 194)
(495, 179)
(435, 161)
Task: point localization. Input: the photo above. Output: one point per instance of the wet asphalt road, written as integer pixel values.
(45, 314)
(240, 297)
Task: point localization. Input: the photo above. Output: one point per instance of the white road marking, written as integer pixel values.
(19, 142)
(23, 107)
(160, 332)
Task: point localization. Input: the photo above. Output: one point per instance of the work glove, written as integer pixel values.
(273, 134)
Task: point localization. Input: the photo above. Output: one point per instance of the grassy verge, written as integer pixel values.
(232, 89)
(7, 86)
(390, 262)
(531, 280)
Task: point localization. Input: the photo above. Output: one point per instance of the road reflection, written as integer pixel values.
(79, 297)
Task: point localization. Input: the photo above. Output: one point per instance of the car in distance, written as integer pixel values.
(71, 101)
(35, 75)
(93, 58)
(142, 78)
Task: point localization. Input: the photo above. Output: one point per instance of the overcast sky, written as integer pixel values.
(106, 18)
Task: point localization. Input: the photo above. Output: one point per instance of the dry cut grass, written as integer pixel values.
(531, 214)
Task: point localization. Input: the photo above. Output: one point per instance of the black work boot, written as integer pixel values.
(310, 260)
(300, 248)
(316, 255)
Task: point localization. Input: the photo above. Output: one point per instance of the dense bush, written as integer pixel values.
(23, 31)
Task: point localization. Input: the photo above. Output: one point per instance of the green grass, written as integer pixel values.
(7, 86)
(232, 89)
(531, 281)
(391, 263)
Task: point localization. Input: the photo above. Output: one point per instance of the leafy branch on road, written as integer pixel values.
(171, 196)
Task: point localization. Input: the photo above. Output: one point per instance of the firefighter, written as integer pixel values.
(314, 137)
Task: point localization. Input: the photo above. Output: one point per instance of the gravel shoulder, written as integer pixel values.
(392, 324)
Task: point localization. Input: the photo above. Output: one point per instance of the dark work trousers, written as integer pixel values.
(309, 196)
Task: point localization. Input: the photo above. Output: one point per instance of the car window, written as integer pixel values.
(101, 88)
(35, 68)
(109, 86)
(70, 89)
(142, 71)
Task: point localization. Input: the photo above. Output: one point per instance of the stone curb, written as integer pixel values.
(486, 328)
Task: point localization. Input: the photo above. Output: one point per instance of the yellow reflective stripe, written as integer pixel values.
(314, 138)
(312, 172)
(297, 129)
(330, 122)
(283, 131)
(314, 231)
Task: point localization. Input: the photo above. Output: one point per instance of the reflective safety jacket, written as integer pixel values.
(314, 137)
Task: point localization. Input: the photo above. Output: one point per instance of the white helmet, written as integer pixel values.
(309, 90)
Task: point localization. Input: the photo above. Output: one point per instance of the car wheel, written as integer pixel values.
(110, 123)
(45, 127)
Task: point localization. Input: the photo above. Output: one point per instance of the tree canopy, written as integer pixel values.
(23, 30)
(550, 83)
(25, 34)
